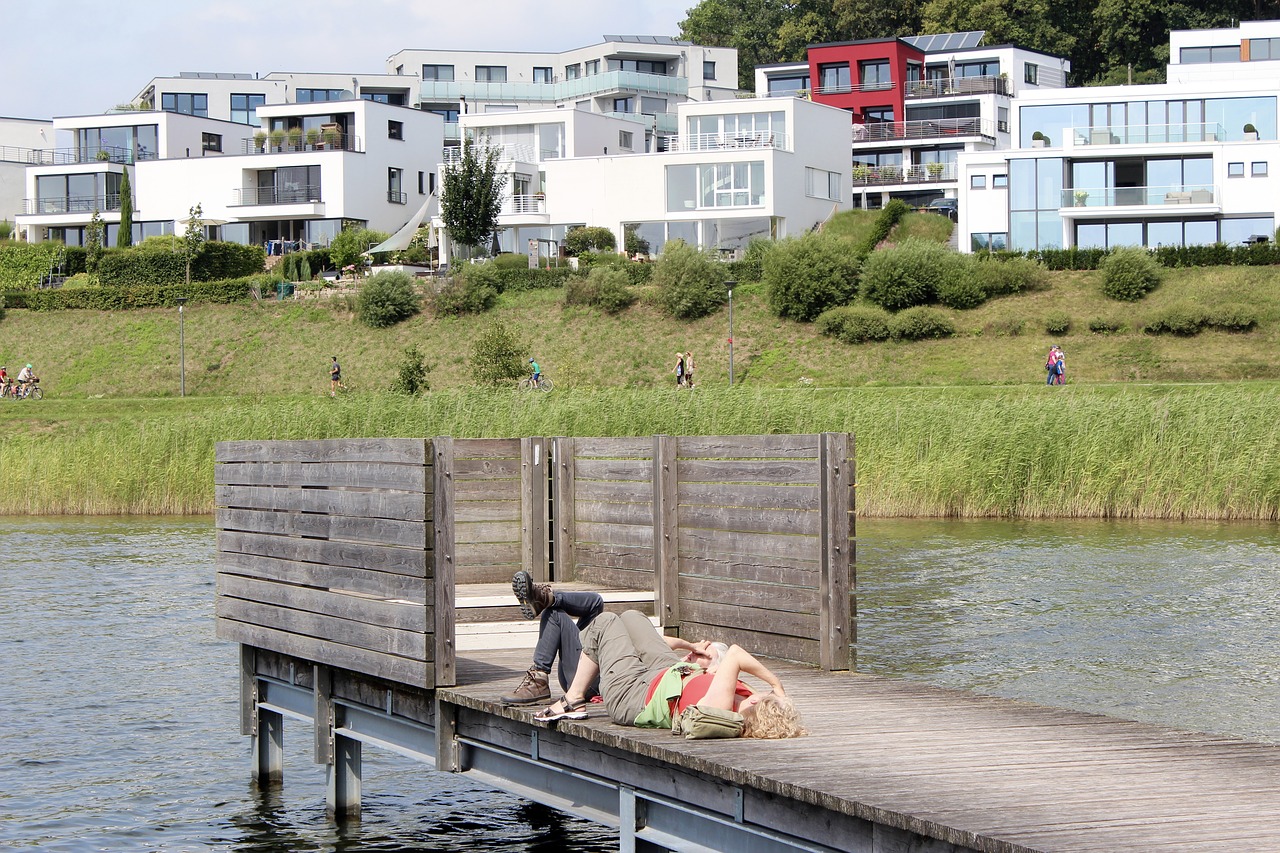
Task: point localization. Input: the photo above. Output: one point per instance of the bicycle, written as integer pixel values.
(543, 384)
(30, 391)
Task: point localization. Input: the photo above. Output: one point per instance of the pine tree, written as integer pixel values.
(124, 237)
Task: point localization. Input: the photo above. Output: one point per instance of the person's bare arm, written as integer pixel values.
(738, 660)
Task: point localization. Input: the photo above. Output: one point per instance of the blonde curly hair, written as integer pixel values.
(773, 717)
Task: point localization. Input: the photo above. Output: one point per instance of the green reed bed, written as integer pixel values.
(1031, 452)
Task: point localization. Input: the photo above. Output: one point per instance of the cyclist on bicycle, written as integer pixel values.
(26, 376)
(537, 373)
(4, 381)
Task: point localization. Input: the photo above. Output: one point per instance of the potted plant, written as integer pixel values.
(259, 140)
(1251, 132)
(1039, 140)
(313, 138)
(103, 155)
(332, 137)
(890, 173)
(295, 138)
(1081, 197)
(277, 137)
(861, 173)
(934, 170)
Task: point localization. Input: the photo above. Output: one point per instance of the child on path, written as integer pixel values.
(335, 378)
(1051, 365)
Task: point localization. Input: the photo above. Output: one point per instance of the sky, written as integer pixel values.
(79, 57)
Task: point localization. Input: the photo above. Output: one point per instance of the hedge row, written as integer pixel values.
(110, 298)
(214, 262)
(1216, 255)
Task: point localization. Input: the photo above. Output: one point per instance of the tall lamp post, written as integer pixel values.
(182, 348)
(730, 285)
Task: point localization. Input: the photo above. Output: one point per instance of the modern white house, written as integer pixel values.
(23, 141)
(1191, 161)
(738, 170)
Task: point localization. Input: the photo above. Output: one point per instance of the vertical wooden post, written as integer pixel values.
(563, 492)
(851, 472)
(248, 690)
(448, 755)
(666, 532)
(444, 564)
(533, 507)
(343, 798)
(834, 587)
(323, 718)
(268, 749)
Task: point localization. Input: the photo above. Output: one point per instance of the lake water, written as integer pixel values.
(118, 717)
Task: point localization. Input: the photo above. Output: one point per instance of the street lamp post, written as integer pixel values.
(730, 285)
(182, 348)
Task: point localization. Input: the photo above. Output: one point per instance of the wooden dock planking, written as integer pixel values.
(981, 771)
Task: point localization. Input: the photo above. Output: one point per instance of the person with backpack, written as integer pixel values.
(1051, 365)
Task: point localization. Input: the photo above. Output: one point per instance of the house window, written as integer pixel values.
(438, 73)
(592, 66)
(1002, 119)
(979, 68)
(491, 73)
(244, 108)
(877, 114)
(572, 72)
(445, 113)
(1235, 170)
(1258, 170)
(834, 77)
(542, 75)
(211, 141)
(1030, 72)
(708, 70)
(1203, 55)
(874, 75)
(989, 241)
(1261, 49)
(977, 182)
(395, 193)
(422, 183)
(624, 139)
(623, 105)
(310, 96)
(820, 183)
(431, 182)
(999, 182)
(187, 104)
(396, 99)
(653, 106)
(395, 130)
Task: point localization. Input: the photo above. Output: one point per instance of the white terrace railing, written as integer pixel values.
(507, 153)
(517, 204)
(714, 141)
(921, 173)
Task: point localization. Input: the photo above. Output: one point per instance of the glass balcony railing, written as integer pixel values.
(713, 141)
(892, 131)
(71, 204)
(250, 196)
(1148, 134)
(561, 90)
(1176, 194)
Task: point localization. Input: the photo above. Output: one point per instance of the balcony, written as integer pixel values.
(953, 87)
(729, 141)
(561, 90)
(1172, 200)
(70, 204)
(924, 173)
(851, 88)
(507, 153)
(71, 156)
(341, 142)
(517, 204)
(253, 196)
(394, 197)
(942, 128)
(1148, 134)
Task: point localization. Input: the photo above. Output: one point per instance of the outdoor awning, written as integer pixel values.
(402, 238)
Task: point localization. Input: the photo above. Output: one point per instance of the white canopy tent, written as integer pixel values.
(402, 238)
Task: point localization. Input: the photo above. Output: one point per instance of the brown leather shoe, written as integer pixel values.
(533, 597)
(533, 688)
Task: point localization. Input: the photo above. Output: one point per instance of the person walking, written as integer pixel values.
(1060, 368)
(335, 377)
(679, 370)
(1051, 365)
(688, 369)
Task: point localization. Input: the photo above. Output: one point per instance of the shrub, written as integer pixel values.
(1057, 324)
(80, 280)
(806, 276)
(1129, 274)
(387, 298)
(349, 246)
(498, 356)
(855, 324)
(411, 375)
(1106, 325)
(906, 275)
(690, 283)
(960, 287)
(607, 288)
(2, 307)
(1004, 327)
(890, 215)
(509, 261)
(473, 289)
(1232, 318)
(111, 298)
(588, 238)
(1183, 318)
(518, 280)
(915, 324)
(1007, 276)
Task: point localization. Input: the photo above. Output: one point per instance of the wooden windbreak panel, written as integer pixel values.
(487, 509)
(325, 552)
(612, 512)
(755, 544)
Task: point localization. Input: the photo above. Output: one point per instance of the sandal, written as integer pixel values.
(566, 711)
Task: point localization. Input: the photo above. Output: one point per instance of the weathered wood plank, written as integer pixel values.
(375, 531)
(379, 584)
(666, 531)
(564, 496)
(507, 468)
(615, 513)
(404, 506)
(638, 558)
(375, 638)
(835, 583)
(635, 448)
(405, 615)
(699, 541)
(479, 532)
(612, 469)
(486, 448)
(394, 450)
(762, 643)
(400, 561)
(780, 471)
(533, 512)
(486, 490)
(766, 597)
(395, 669)
(445, 563)
(780, 622)
(493, 510)
(616, 491)
(614, 534)
(487, 553)
(776, 570)
(778, 496)
(615, 577)
(368, 475)
(750, 520)
(749, 446)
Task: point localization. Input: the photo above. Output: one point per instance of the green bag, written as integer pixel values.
(697, 722)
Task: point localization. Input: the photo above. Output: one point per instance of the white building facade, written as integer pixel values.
(23, 142)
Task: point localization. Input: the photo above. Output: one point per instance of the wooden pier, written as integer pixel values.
(367, 585)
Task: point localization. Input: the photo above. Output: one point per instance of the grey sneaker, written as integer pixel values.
(533, 688)
(533, 597)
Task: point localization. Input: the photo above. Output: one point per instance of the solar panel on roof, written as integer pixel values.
(940, 42)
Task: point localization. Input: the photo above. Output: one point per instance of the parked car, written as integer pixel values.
(948, 207)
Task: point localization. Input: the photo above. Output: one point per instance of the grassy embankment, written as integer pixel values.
(960, 426)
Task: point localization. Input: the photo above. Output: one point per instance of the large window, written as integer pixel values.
(1035, 194)
(244, 108)
(572, 72)
(491, 73)
(395, 186)
(623, 105)
(193, 104)
(437, 73)
(122, 144)
(307, 96)
(542, 75)
(979, 68)
(1203, 55)
(833, 77)
(79, 193)
(1262, 49)
(1147, 122)
(875, 75)
(708, 70)
(645, 66)
(211, 142)
(592, 66)
(715, 185)
(395, 99)
(788, 85)
(820, 183)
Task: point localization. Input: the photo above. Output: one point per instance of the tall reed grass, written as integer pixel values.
(1032, 452)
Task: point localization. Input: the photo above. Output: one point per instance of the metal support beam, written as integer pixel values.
(268, 749)
(343, 799)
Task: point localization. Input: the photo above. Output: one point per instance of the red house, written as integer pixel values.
(865, 77)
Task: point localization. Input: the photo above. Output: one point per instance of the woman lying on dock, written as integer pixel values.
(645, 682)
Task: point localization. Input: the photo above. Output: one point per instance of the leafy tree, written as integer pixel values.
(690, 283)
(471, 195)
(386, 299)
(124, 237)
(806, 276)
(589, 239)
(748, 25)
(194, 236)
(93, 243)
(350, 245)
(411, 376)
(498, 356)
(473, 289)
(1128, 274)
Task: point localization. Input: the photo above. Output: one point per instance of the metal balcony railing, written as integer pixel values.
(1148, 134)
(71, 204)
(731, 141)
(1176, 194)
(850, 88)
(561, 90)
(950, 87)
(71, 156)
(890, 131)
(507, 153)
(525, 204)
(248, 196)
(397, 197)
(921, 173)
(342, 142)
